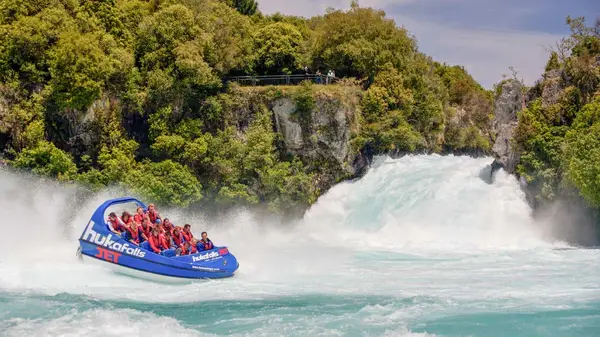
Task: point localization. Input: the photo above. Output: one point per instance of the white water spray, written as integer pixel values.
(418, 238)
(416, 205)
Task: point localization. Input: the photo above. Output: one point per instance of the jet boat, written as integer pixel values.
(99, 244)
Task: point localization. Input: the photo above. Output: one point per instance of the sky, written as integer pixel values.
(485, 36)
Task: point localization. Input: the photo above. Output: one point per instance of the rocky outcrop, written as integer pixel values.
(509, 101)
(321, 136)
(287, 125)
(552, 87)
(81, 129)
(317, 125)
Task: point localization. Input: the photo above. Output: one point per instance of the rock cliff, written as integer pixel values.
(315, 124)
(509, 101)
(324, 135)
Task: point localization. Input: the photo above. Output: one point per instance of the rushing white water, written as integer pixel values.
(410, 248)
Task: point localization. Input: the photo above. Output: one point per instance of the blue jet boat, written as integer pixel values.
(98, 243)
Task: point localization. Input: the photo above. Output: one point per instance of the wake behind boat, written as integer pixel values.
(99, 243)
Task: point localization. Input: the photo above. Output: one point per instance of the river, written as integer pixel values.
(420, 246)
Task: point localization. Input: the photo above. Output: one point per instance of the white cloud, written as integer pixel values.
(486, 54)
(309, 8)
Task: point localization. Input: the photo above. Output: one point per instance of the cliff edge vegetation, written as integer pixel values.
(135, 93)
(549, 134)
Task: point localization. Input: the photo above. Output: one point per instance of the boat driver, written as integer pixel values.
(205, 243)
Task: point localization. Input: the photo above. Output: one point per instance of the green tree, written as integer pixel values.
(553, 62)
(173, 53)
(83, 65)
(583, 153)
(47, 160)
(165, 182)
(246, 7)
(231, 44)
(360, 42)
(278, 49)
(24, 46)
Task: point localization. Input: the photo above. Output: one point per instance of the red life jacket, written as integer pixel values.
(154, 242)
(138, 218)
(135, 234)
(178, 239)
(128, 222)
(153, 215)
(147, 231)
(163, 242)
(193, 250)
(187, 236)
(208, 245)
(116, 225)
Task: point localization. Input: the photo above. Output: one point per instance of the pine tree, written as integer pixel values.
(246, 7)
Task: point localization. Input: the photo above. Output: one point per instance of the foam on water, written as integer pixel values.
(414, 244)
(98, 322)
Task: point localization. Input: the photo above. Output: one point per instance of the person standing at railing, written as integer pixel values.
(329, 76)
(318, 78)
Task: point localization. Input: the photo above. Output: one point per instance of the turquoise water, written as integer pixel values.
(419, 247)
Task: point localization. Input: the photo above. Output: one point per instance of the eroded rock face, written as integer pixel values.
(503, 150)
(324, 135)
(286, 124)
(507, 104)
(330, 121)
(81, 130)
(552, 87)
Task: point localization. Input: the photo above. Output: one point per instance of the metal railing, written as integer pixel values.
(281, 79)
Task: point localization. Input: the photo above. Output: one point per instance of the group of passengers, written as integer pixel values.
(151, 231)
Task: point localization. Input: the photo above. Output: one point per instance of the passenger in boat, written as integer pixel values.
(187, 233)
(158, 224)
(139, 215)
(188, 249)
(153, 213)
(114, 223)
(167, 245)
(168, 225)
(154, 241)
(169, 242)
(145, 229)
(126, 219)
(205, 243)
(178, 237)
(132, 233)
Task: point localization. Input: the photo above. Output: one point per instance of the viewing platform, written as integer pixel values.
(281, 79)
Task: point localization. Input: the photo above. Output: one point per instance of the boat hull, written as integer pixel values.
(154, 266)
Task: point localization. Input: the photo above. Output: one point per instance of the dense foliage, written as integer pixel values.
(559, 131)
(131, 92)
